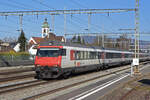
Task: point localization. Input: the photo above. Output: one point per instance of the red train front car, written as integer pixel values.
(48, 61)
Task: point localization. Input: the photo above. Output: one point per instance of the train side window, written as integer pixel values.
(93, 55)
(107, 55)
(77, 55)
(115, 55)
(96, 55)
(126, 55)
(130, 55)
(63, 52)
(88, 55)
(81, 54)
(110, 55)
(118, 55)
(37, 52)
(99, 55)
(85, 55)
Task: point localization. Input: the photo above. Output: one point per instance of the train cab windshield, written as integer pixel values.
(48, 52)
(51, 52)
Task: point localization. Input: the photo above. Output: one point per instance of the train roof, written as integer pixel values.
(56, 43)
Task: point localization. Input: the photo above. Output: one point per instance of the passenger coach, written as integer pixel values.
(55, 59)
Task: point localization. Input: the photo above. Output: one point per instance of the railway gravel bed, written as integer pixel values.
(14, 68)
(138, 88)
(37, 88)
(17, 71)
(16, 77)
(21, 85)
(52, 87)
(8, 74)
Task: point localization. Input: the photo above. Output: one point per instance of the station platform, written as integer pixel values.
(138, 88)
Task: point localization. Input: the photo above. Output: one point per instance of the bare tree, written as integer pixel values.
(9, 39)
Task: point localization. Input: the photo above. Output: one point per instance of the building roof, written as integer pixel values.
(52, 37)
(59, 38)
(5, 44)
(38, 39)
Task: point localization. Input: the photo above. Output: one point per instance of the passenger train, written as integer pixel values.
(56, 59)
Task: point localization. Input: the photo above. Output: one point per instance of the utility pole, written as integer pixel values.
(21, 26)
(20, 20)
(98, 40)
(65, 19)
(103, 40)
(53, 21)
(89, 23)
(137, 33)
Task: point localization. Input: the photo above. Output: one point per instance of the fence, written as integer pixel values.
(15, 60)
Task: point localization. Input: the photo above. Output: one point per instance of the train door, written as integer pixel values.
(64, 61)
(103, 57)
(72, 57)
(123, 56)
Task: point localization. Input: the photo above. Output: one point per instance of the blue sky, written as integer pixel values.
(75, 23)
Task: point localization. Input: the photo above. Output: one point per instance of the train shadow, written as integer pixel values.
(145, 81)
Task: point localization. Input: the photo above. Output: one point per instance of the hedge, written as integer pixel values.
(14, 55)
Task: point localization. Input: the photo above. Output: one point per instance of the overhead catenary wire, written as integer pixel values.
(48, 7)
(78, 4)
(74, 11)
(22, 5)
(79, 20)
(43, 4)
(14, 6)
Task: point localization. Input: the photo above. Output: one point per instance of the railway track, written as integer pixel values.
(75, 84)
(34, 83)
(24, 85)
(6, 79)
(17, 71)
(16, 74)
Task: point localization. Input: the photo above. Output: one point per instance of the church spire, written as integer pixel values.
(45, 24)
(45, 29)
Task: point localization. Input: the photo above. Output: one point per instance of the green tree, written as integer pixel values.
(22, 40)
(83, 41)
(79, 39)
(73, 39)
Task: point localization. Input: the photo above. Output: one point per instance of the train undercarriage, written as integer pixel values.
(46, 72)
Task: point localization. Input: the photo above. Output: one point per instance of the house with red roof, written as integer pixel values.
(46, 36)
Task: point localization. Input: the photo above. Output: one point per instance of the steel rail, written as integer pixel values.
(72, 85)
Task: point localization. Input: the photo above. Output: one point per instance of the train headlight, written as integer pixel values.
(56, 65)
(37, 65)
